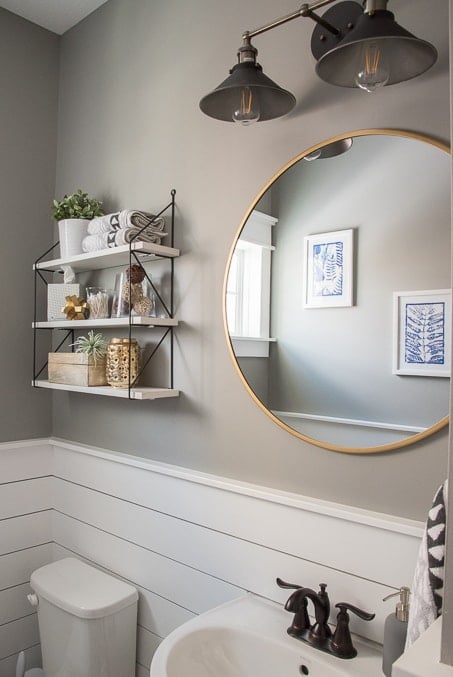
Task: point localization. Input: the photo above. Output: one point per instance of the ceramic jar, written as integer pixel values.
(71, 233)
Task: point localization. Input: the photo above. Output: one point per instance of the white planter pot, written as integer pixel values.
(72, 232)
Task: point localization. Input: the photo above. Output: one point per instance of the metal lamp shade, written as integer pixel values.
(223, 100)
(330, 150)
(406, 55)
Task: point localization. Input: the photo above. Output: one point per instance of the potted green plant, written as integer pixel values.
(73, 214)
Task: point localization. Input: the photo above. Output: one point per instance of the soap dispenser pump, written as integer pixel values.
(395, 630)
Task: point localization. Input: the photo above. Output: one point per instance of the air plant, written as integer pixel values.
(93, 344)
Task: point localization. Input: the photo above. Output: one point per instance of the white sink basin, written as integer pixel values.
(247, 638)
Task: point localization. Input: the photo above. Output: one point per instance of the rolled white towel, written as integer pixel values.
(94, 243)
(126, 218)
(126, 235)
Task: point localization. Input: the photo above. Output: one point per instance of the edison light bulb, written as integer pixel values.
(249, 110)
(373, 71)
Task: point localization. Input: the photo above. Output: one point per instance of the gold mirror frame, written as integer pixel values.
(417, 437)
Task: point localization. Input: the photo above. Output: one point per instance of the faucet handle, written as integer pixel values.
(341, 642)
(289, 586)
(364, 615)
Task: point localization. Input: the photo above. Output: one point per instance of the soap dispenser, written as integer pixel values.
(395, 630)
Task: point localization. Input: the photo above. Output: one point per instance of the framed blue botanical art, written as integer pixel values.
(422, 333)
(328, 274)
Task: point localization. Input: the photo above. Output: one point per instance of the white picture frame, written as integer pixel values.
(328, 269)
(422, 333)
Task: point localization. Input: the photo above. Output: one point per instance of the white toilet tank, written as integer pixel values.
(87, 621)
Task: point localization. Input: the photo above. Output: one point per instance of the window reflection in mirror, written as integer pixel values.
(248, 291)
(327, 375)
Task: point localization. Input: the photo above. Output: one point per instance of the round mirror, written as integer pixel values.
(337, 292)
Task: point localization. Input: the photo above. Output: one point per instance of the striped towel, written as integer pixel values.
(114, 230)
(126, 218)
(428, 584)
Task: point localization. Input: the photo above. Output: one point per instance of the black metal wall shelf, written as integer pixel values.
(135, 252)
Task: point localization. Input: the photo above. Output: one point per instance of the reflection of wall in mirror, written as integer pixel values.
(337, 362)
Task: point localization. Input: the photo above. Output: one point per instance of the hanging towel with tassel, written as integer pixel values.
(428, 583)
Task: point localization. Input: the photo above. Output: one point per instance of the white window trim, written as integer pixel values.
(249, 346)
(258, 231)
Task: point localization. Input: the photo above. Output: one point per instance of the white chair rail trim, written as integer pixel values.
(400, 525)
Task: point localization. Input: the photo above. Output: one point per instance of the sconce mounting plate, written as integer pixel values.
(342, 16)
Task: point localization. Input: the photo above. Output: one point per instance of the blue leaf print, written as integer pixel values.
(327, 274)
(425, 333)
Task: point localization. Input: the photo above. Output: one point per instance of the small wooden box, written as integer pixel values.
(76, 369)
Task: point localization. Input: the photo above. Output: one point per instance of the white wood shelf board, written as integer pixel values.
(108, 258)
(136, 393)
(136, 321)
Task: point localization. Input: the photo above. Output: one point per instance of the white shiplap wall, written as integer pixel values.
(25, 543)
(188, 541)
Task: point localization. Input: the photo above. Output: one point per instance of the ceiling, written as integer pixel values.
(55, 15)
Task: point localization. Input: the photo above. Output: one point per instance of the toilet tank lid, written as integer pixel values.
(81, 589)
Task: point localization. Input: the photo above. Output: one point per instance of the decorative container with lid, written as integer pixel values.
(123, 357)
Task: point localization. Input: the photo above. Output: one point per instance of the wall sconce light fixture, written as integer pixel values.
(354, 46)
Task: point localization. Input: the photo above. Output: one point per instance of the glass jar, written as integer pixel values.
(139, 293)
(98, 301)
(122, 353)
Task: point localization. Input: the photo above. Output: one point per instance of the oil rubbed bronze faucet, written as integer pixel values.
(319, 634)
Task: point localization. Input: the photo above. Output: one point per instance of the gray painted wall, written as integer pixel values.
(130, 129)
(28, 123)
